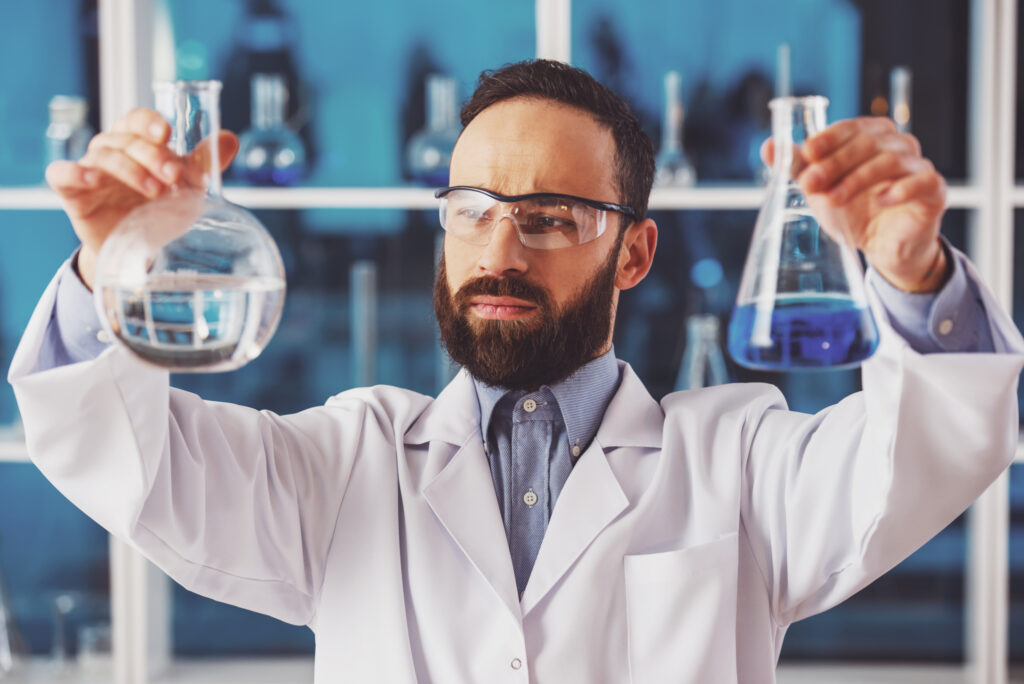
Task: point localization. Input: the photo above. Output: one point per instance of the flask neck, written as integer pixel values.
(192, 108)
(794, 120)
(269, 100)
(672, 125)
(441, 107)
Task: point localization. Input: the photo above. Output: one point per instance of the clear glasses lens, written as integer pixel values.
(548, 222)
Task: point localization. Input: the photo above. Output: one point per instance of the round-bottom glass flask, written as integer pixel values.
(190, 282)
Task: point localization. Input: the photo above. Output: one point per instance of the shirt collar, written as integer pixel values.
(582, 398)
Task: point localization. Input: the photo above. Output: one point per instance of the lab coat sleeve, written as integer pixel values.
(233, 503)
(834, 500)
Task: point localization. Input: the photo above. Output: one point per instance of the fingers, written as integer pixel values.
(144, 123)
(159, 161)
(768, 152)
(829, 140)
(115, 163)
(887, 166)
(829, 171)
(928, 186)
(67, 176)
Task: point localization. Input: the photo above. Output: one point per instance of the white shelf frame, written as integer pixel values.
(140, 593)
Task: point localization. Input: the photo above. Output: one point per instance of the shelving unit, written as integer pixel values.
(140, 592)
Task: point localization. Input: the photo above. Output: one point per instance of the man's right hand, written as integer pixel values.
(122, 169)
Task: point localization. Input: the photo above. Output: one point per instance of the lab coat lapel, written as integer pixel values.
(590, 500)
(593, 497)
(462, 493)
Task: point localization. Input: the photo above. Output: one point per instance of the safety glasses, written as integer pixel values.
(543, 220)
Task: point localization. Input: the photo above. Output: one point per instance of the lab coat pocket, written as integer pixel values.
(681, 613)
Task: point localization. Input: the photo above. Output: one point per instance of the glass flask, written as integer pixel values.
(188, 281)
(68, 135)
(801, 302)
(672, 168)
(899, 95)
(703, 364)
(429, 152)
(269, 152)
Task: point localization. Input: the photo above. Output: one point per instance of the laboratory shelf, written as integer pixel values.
(711, 197)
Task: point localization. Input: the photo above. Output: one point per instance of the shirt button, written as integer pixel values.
(530, 405)
(946, 326)
(516, 663)
(104, 337)
(530, 498)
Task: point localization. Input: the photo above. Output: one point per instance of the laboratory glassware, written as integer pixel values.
(269, 152)
(672, 168)
(189, 281)
(429, 152)
(899, 95)
(801, 302)
(703, 364)
(68, 134)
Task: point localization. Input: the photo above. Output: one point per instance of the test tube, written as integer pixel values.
(363, 288)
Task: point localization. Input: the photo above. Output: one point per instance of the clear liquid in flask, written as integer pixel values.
(187, 321)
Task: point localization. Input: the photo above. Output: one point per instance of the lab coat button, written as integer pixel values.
(575, 450)
(946, 326)
(516, 663)
(530, 498)
(530, 405)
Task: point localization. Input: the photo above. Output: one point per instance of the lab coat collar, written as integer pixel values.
(633, 418)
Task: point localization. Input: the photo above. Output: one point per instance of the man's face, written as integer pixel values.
(522, 317)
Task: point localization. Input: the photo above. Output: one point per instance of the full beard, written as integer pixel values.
(525, 354)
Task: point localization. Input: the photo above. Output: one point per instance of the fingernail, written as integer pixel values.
(156, 130)
(90, 177)
(169, 169)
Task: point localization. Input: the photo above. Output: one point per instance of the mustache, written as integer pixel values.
(500, 287)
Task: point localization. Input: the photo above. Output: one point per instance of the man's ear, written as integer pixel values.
(636, 253)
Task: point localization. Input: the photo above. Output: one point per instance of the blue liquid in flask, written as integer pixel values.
(803, 332)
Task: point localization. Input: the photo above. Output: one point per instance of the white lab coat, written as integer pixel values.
(687, 538)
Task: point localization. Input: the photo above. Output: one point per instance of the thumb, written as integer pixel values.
(228, 143)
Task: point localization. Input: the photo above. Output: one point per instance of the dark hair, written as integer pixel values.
(558, 81)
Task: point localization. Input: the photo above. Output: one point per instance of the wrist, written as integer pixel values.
(928, 276)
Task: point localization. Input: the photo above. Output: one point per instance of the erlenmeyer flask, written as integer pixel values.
(801, 301)
(188, 281)
(429, 152)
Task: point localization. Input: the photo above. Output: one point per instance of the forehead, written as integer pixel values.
(528, 145)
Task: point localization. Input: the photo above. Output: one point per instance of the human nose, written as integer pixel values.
(504, 254)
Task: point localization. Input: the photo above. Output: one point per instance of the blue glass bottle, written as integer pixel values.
(68, 134)
(801, 301)
(672, 167)
(270, 153)
(429, 152)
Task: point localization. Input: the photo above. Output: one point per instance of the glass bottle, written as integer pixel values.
(703, 364)
(188, 281)
(801, 300)
(68, 135)
(269, 152)
(672, 168)
(429, 152)
(899, 95)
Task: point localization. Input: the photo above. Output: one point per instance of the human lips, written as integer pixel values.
(501, 308)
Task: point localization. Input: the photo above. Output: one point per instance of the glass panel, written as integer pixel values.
(1016, 609)
(726, 53)
(356, 72)
(49, 550)
(1018, 289)
(50, 48)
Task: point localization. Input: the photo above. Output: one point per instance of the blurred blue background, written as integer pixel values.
(356, 75)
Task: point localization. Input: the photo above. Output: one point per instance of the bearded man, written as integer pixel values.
(543, 519)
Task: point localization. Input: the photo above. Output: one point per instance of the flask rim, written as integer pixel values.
(801, 100)
(188, 86)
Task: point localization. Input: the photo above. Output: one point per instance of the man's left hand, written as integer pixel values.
(868, 181)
